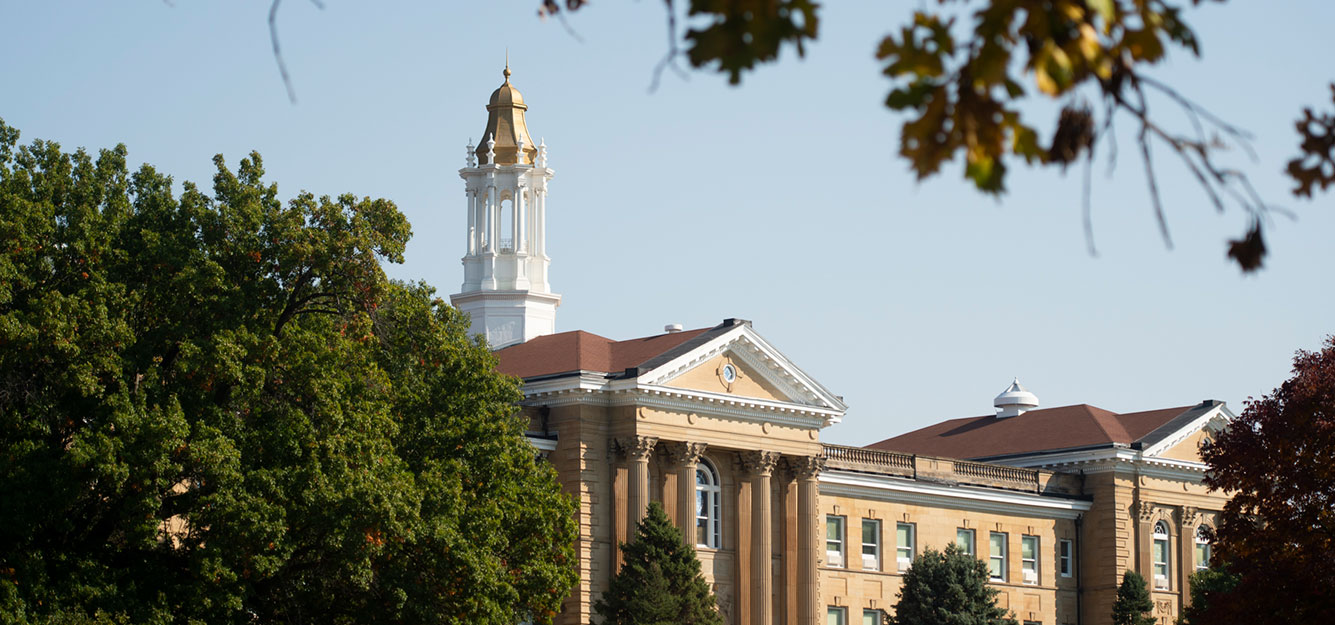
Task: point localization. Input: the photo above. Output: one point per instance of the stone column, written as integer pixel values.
(806, 469)
(760, 464)
(683, 457)
(637, 449)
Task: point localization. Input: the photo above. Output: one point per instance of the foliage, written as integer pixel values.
(1133, 605)
(1277, 532)
(961, 86)
(948, 588)
(1206, 585)
(217, 409)
(660, 582)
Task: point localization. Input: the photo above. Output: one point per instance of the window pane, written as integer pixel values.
(834, 528)
(994, 567)
(1028, 547)
(871, 532)
(834, 616)
(999, 544)
(871, 617)
(964, 538)
(904, 534)
(701, 477)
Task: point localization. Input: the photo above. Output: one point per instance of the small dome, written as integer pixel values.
(506, 94)
(1015, 400)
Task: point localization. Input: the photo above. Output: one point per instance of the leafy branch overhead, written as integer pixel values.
(961, 86)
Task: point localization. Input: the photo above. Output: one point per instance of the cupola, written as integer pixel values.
(506, 126)
(1014, 401)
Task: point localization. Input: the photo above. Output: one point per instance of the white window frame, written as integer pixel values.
(1202, 546)
(972, 547)
(877, 616)
(839, 613)
(835, 557)
(1029, 566)
(1066, 558)
(871, 561)
(904, 553)
(1161, 545)
(993, 556)
(708, 522)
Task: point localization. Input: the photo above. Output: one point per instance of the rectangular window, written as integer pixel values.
(834, 541)
(1159, 555)
(1202, 550)
(873, 617)
(1029, 559)
(1064, 563)
(964, 538)
(871, 544)
(996, 561)
(836, 616)
(904, 545)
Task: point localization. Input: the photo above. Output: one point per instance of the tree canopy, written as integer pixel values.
(948, 588)
(1133, 605)
(1277, 532)
(961, 70)
(217, 408)
(660, 582)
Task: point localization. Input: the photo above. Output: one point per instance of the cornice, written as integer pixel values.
(747, 409)
(902, 490)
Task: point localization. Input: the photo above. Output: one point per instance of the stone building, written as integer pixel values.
(724, 430)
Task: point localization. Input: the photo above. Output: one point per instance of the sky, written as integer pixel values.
(782, 201)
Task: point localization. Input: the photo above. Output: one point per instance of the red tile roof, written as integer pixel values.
(579, 350)
(1034, 431)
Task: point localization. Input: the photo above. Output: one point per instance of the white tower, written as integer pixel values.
(1014, 401)
(505, 286)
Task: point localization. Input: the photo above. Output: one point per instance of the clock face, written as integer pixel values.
(729, 373)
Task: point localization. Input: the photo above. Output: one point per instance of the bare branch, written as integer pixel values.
(278, 53)
(669, 59)
(1154, 186)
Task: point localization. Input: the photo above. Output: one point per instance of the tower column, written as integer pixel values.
(683, 458)
(807, 469)
(760, 464)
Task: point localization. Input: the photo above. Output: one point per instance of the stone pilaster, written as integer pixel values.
(760, 465)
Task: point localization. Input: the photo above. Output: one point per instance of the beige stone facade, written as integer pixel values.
(726, 403)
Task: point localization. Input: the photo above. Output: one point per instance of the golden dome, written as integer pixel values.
(505, 124)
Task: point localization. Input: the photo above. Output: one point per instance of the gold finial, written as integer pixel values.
(507, 65)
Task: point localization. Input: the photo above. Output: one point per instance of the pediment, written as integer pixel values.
(758, 371)
(1185, 442)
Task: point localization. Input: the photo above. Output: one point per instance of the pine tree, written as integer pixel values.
(948, 588)
(1133, 604)
(660, 582)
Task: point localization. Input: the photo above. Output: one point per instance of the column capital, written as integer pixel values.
(681, 453)
(1144, 511)
(805, 467)
(636, 447)
(1189, 517)
(760, 463)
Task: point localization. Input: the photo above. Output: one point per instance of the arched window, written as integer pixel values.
(707, 522)
(1159, 553)
(1202, 549)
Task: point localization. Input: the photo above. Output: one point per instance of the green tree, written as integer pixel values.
(1205, 586)
(217, 409)
(948, 588)
(660, 582)
(1277, 532)
(1133, 605)
(960, 71)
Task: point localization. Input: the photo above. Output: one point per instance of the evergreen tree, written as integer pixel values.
(1206, 586)
(948, 588)
(1133, 604)
(660, 582)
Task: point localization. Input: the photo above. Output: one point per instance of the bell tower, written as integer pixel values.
(505, 289)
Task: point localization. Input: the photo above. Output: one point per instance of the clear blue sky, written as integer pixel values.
(781, 201)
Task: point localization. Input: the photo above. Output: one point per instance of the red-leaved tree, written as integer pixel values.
(1278, 531)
